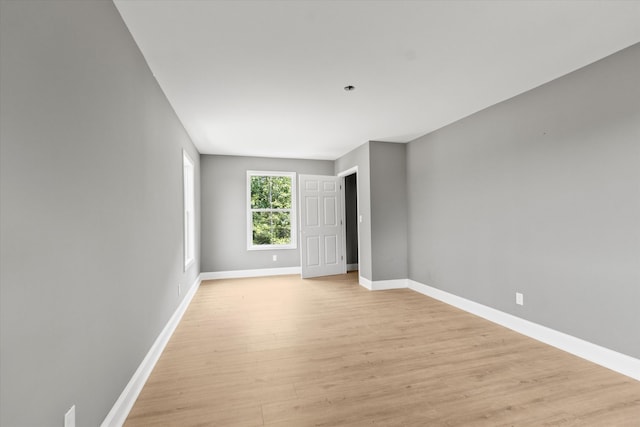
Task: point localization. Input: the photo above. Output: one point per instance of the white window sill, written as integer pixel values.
(271, 247)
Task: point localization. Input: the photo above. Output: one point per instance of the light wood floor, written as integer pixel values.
(281, 351)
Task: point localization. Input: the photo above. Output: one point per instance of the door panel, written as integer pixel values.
(330, 212)
(321, 226)
(330, 250)
(311, 215)
(313, 251)
(329, 186)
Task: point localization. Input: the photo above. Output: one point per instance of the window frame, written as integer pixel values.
(189, 209)
(293, 211)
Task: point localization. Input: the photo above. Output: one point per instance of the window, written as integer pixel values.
(271, 210)
(189, 210)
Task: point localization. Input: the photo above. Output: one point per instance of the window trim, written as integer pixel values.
(188, 209)
(294, 212)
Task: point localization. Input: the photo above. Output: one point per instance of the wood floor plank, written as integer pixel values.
(281, 351)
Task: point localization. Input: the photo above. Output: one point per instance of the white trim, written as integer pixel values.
(365, 283)
(260, 272)
(348, 172)
(383, 285)
(343, 224)
(352, 267)
(343, 175)
(602, 356)
(189, 209)
(120, 410)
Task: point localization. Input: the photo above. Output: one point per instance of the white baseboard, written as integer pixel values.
(260, 272)
(602, 356)
(120, 410)
(365, 283)
(383, 285)
(352, 267)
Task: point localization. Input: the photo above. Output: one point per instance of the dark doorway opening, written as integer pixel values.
(351, 220)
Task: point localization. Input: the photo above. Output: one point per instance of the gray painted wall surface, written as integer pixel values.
(388, 163)
(360, 157)
(351, 218)
(224, 211)
(539, 194)
(90, 212)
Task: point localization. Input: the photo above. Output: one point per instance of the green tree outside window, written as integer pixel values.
(271, 209)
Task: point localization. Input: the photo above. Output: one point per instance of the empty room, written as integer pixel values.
(319, 213)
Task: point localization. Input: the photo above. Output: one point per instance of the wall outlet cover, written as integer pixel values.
(519, 298)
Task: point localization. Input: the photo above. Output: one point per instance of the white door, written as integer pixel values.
(320, 226)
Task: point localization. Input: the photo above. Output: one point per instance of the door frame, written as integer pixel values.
(342, 175)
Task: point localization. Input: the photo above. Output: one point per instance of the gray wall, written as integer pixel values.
(388, 164)
(90, 212)
(360, 157)
(539, 194)
(383, 207)
(224, 211)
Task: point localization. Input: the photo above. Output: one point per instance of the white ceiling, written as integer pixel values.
(266, 78)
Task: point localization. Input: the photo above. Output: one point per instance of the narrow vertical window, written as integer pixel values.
(271, 210)
(189, 210)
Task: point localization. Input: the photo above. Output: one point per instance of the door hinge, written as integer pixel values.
(341, 258)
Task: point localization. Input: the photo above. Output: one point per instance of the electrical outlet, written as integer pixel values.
(519, 298)
(275, 257)
(179, 289)
(360, 218)
(70, 417)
